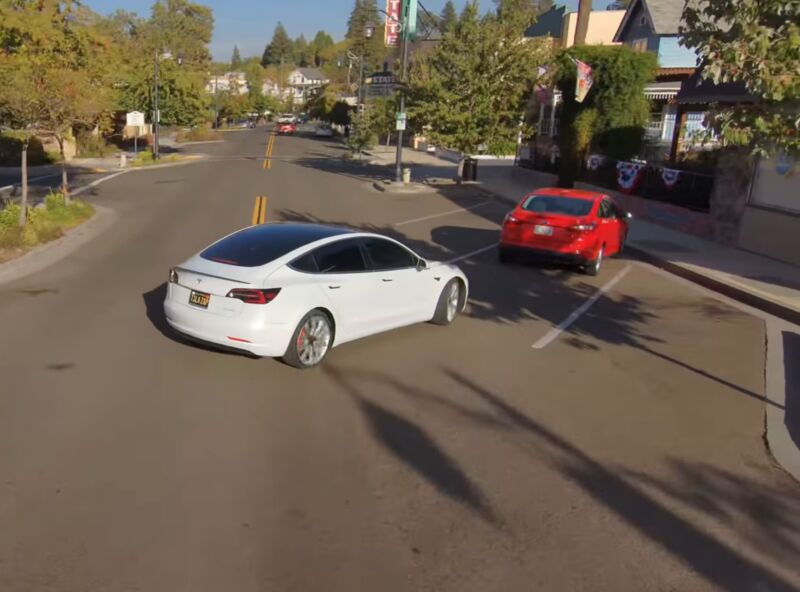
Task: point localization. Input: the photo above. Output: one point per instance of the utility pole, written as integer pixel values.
(156, 114)
(398, 172)
(582, 26)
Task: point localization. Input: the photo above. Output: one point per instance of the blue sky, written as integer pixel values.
(249, 23)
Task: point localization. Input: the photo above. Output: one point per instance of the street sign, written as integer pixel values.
(380, 84)
(402, 116)
(134, 119)
(393, 11)
(410, 17)
(400, 125)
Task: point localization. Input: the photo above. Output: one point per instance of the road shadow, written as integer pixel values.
(154, 309)
(717, 494)
(791, 365)
(416, 449)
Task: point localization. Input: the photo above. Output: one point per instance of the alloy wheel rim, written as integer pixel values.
(452, 302)
(313, 340)
(599, 261)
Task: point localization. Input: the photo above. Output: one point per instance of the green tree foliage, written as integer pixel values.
(280, 50)
(448, 18)
(611, 118)
(321, 42)
(54, 69)
(236, 58)
(362, 132)
(340, 113)
(183, 29)
(302, 52)
(365, 14)
(757, 43)
(525, 12)
(472, 88)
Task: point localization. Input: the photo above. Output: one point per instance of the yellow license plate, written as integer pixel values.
(200, 299)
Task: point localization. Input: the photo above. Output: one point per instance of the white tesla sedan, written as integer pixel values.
(294, 290)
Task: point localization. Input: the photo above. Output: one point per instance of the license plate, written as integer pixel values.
(543, 230)
(200, 299)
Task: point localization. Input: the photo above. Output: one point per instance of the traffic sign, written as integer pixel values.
(134, 119)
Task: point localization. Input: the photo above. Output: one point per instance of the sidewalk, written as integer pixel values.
(760, 282)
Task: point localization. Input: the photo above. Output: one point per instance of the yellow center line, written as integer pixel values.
(259, 210)
(268, 154)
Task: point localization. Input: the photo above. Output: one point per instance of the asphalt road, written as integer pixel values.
(624, 454)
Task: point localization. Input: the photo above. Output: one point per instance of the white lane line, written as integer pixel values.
(473, 253)
(554, 333)
(97, 182)
(456, 211)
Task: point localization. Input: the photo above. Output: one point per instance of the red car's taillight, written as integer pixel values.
(511, 219)
(584, 227)
(254, 296)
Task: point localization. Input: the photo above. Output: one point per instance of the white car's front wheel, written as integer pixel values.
(311, 341)
(449, 303)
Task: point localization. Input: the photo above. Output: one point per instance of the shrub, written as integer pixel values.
(144, 157)
(44, 223)
(93, 145)
(9, 217)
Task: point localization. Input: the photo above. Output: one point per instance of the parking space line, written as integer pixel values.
(472, 253)
(554, 333)
(456, 211)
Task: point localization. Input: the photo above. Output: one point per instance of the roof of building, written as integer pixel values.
(549, 24)
(665, 15)
(312, 73)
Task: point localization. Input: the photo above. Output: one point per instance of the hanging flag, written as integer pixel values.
(584, 81)
(629, 174)
(670, 177)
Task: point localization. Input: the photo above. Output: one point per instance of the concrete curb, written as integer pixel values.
(779, 440)
(776, 309)
(413, 188)
(151, 167)
(46, 255)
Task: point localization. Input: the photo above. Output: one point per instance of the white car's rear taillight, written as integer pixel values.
(254, 296)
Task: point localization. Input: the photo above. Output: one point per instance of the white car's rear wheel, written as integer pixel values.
(311, 341)
(449, 303)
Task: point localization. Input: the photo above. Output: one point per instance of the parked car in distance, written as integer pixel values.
(287, 128)
(323, 130)
(570, 225)
(295, 290)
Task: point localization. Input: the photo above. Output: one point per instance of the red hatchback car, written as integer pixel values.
(579, 227)
(287, 128)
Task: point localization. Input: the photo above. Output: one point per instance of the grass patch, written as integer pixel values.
(197, 134)
(46, 223)
(145, 158)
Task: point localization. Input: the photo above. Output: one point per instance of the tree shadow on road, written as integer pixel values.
(415, 448)
(704, 490)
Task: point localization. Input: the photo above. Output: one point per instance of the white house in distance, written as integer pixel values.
(235, 82)
(303, 81)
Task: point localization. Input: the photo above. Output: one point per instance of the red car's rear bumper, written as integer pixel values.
(579, 252)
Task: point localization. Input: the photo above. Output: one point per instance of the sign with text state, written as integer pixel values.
(393, 28)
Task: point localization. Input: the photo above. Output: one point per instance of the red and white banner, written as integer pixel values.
(584, 81)
(629, 175)
(595, 161)
(392, 36)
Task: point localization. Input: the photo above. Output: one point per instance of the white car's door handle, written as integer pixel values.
(387, 280)
(334, 287)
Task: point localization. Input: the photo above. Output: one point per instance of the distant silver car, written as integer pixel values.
(324, 131)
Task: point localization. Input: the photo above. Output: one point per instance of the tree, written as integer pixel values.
(364, 15)
(448, 18)
(758, 44)
(183, 29)
(61, 65)
(611, 118)
(322, 41)
(525, 12)
(302, 52)
(236, 59)
(280, 49)
(472, 88)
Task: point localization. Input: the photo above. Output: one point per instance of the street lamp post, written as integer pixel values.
(369, 31)
(398, 165)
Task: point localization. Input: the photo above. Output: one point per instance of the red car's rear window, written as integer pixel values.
(559, 205)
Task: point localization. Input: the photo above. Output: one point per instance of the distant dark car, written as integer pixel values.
(287, 128)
